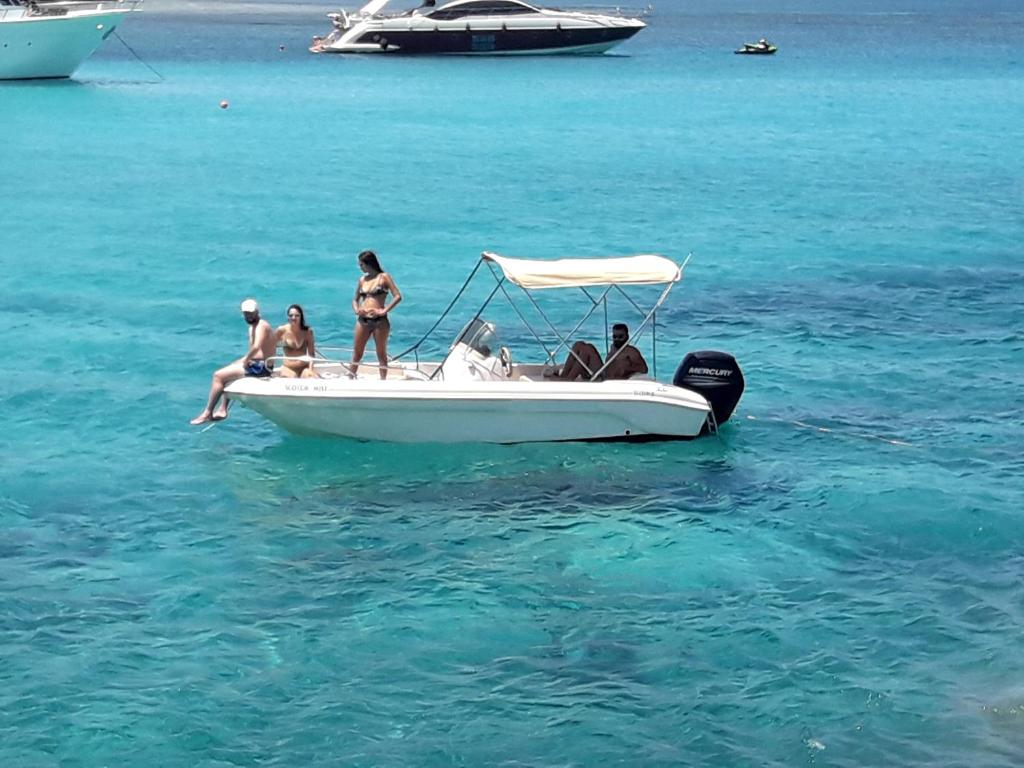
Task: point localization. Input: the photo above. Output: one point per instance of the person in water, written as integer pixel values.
(372, 308)
(299, 345)
(584, 360)
(255, 362)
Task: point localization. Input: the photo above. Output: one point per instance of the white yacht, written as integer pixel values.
(483, 27)
(41, 39)
(480, 392)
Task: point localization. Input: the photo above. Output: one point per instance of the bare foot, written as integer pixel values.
(219, 415)
(202, 418)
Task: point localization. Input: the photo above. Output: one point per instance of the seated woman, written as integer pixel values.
(298, 342)
(372, 308)
(584, 360)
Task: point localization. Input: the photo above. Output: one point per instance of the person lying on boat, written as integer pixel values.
(320, 44)
(372, 309)
(262, 346)
(584, 360)
(299, 345)
(339, 22)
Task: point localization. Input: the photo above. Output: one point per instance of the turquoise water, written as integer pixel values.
(778, 596)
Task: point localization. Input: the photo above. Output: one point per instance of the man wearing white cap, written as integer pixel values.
(262, 346)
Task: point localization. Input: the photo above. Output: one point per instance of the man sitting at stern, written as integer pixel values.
(584, 360)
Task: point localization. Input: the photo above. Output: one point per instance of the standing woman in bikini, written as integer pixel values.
(371, 308)
(298, 341)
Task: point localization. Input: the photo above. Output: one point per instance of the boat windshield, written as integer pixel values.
(480, 336)
(461, 10)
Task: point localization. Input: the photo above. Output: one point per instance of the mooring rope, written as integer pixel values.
(136, 55)
(831, 431)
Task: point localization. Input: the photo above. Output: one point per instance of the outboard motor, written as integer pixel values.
(716, 376)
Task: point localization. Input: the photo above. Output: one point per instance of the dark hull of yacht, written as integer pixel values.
(494, 42)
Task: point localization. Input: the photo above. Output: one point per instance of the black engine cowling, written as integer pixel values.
(715, 375)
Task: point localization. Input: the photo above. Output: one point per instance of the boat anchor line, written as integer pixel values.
(831, 431)
(133, 52)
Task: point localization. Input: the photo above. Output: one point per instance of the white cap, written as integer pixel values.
(250, 305)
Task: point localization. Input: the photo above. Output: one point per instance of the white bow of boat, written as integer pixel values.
(40, 39)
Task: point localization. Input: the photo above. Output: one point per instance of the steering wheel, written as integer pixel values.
(506, 361)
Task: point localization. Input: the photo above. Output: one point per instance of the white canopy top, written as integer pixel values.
(646, 269)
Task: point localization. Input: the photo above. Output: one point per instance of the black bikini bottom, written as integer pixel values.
(372, 322)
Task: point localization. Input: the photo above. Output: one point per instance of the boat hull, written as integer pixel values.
(407, 411)
(39, 47)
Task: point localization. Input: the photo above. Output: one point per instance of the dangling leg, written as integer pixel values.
(221, 378)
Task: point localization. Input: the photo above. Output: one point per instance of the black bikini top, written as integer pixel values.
(380, 290)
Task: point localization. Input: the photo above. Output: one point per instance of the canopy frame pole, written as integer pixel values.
(654, 345)
(647, 318)
(604, 301)
(530, 328)
(640, 311)
(476, 316)
(563, 340)
(444, 314)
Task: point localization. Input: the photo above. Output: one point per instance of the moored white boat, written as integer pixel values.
(479, 393)
(52, 39)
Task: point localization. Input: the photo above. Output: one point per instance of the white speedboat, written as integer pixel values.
(480, 392)
(489, 27)
(41, 39)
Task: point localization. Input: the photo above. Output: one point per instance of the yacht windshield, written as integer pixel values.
(481, 8)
